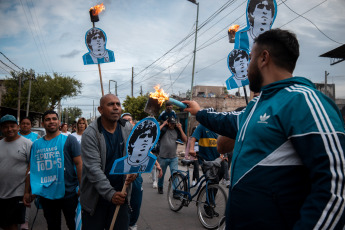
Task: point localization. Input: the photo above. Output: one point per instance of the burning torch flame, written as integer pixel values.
(159, 95)
(231, 33)
(97, 9)
(234, 28)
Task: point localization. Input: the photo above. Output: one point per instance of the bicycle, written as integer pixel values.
(211, 197)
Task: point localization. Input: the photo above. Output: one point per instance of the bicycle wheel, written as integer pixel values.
(176, 200)
(211, 213)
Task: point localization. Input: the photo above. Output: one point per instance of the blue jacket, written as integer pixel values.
(288, 163)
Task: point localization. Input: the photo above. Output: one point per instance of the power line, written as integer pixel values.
(38, 48)
(8, 66)
(10, 61)
(313, 22)
(227, 4)
(39, 34)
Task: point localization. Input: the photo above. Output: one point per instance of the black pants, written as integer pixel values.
(196, 170)
(52, 212)
(103, 216)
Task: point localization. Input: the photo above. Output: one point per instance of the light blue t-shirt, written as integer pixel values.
(53, 175)
(31, 136)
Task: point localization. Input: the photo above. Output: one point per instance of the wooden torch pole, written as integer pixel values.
(124, 188)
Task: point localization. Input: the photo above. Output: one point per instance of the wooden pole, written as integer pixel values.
(124, 188)
(100, 78)
(245, 94)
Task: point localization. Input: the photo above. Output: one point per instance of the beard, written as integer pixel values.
(255, 79)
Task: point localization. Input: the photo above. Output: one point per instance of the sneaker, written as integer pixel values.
(160, 190)
(227, 183)
(222, 182)
(194, 183)
(134, 227)
(209, 212)
(179, 142)
(154, 185)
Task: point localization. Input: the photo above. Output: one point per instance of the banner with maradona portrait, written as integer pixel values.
(141, 140)
(260, 18)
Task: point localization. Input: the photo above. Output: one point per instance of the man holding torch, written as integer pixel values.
(103, 142)
(288, 162)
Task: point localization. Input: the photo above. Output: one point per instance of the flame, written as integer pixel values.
(234, 28)
(97, 9)
(160, 95)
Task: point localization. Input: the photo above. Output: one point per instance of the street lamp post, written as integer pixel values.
(115, 86)
(196, 36)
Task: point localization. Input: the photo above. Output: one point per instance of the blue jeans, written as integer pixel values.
(165, 162)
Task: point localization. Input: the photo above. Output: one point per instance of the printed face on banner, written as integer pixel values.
(238, 64)
(260, 17)
(141, 140)
(95, 40)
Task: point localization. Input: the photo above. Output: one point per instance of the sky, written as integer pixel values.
(48, 36)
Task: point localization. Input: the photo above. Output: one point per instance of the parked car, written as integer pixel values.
(39, 130)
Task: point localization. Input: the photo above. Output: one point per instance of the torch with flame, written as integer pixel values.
(231, 32)
(95, 11)
(157, 99)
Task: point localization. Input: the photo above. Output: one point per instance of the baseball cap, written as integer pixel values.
(125, 114)
(8, 117)
(172, 120)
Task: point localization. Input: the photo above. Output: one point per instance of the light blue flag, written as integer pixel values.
(47, 167)
(260, 16)
(96, 40)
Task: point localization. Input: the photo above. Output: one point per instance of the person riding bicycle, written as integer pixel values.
(207, 141)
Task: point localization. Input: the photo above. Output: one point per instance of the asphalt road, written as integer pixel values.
(155, 212)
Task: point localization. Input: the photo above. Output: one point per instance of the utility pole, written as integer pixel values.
(196, 36)
(141, 90)
(132, 80)
(326, 75)
(19, 94)
(93, 108)
(29, 93)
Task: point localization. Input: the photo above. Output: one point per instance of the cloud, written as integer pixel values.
(71, 54)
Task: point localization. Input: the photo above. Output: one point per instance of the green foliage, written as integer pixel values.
(73, 113)
(226, 91)
(46, 90)
(135, 106)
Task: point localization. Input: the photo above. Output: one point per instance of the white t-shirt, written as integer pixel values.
(77, 136)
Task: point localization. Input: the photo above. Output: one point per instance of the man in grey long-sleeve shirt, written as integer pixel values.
(103, 142)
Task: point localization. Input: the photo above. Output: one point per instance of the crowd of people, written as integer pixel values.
(286, 151)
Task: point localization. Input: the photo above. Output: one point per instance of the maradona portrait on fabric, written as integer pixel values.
(96, 40)
(260, 17)
(238, 63)
(139, 144)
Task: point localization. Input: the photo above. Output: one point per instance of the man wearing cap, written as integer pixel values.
(168, 112)
(170, 133)
(14, 161)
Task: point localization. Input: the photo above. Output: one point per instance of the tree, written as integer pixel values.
(46, 90)
(135, 106)
(73, 113)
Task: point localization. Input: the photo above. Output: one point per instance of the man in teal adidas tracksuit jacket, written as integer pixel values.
(288, 164)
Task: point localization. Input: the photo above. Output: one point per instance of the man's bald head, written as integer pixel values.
(110, 107)
(105, 98)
